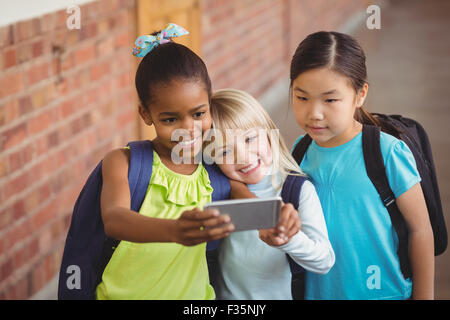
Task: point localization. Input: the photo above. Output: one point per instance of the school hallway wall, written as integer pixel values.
(66, 98)
(408, 69)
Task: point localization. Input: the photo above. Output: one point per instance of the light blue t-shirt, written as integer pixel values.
(360, 229)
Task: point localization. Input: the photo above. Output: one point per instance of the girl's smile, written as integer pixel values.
(186, 141)
(189, 143)
(251, 168)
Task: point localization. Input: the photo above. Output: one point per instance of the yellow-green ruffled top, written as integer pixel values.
(162, 270)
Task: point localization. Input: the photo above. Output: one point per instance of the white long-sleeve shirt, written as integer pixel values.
(251, 269)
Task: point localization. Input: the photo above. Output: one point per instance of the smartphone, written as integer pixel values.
(250, 214)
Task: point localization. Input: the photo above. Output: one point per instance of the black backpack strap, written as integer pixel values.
(300, 149)
(291, 189)
(376, 171)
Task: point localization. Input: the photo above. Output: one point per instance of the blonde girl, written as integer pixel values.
(248, 148)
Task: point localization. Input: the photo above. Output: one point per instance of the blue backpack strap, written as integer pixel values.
(219, 182)
(290, 194)
(221, 191)
(139, 174)
(291, 189)
(140, 171)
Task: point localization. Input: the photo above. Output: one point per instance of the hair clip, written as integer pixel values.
(145, 44)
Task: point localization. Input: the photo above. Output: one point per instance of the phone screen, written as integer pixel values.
(250, 214)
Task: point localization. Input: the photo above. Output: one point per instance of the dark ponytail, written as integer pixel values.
(166, 62)
(340, 53)
(365, 117)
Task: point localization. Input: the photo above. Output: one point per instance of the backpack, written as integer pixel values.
(414, 135)
(289, 194)
(87, 249)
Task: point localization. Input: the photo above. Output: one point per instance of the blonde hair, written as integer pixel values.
(236, 109)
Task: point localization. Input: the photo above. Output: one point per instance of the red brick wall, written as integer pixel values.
(248, 44)
(55, 126)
